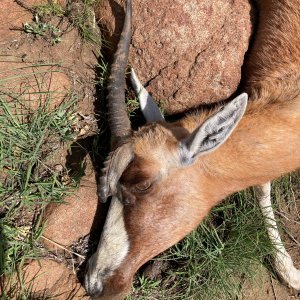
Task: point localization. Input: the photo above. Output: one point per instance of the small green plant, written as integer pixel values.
(132, 106)
(103, 73)
(44, 30)
(78, 14)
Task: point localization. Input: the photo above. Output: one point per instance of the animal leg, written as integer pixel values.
(283, 262)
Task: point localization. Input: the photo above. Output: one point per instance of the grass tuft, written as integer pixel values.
(50, 9)
(46, 30)
(81, 16)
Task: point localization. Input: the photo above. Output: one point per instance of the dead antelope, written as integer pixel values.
(172, 174)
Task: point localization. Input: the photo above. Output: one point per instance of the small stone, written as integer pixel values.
(155, 269)
(58, 168)
(82, 132)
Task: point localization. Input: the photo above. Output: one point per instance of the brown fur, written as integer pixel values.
(265, 145)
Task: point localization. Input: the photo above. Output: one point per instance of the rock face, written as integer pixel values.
(186, 52)
(67, 223)
(54, 280)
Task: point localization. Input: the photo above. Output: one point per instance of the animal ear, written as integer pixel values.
(214, 131)
(149, 108)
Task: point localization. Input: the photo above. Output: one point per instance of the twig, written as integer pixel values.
(273, 289)
(285, 217)
(62, 247)
(292, 238)
(73, 266)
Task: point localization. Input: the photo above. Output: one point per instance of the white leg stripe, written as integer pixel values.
(283, 262)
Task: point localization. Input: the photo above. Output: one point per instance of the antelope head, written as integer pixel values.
(157, 180)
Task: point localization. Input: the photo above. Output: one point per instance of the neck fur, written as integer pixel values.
(265, 145)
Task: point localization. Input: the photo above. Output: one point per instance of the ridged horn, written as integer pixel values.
(114, 166)
(119, 122)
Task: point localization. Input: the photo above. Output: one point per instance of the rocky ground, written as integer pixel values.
(69, 65)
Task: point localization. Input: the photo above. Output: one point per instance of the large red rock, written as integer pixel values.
(66, 223)
(48, 278)
(186, 52)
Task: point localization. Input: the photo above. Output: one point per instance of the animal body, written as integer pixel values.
(165, 177)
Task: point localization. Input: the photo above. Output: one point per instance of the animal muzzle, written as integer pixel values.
(93, 280)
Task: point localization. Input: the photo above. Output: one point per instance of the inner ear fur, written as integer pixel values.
(214, 131)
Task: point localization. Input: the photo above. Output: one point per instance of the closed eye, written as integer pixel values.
(143, 186)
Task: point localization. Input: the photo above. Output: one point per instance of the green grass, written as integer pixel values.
(29, 137)
(50, 9)
(79, 14)
(213, 262)
(132, 106)
(83, 20)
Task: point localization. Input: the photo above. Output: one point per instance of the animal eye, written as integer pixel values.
(143, 186)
